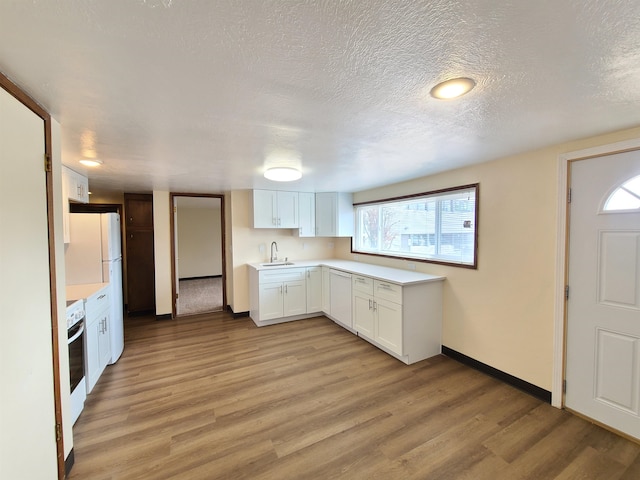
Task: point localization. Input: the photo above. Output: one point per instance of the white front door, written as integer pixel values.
(603, 309)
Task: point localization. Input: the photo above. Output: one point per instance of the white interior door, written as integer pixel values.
(27, 418)
(603, 323)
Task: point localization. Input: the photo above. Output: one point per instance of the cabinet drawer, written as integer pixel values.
(96, 303)
(281, 275)
(362, 284)
(388, 291)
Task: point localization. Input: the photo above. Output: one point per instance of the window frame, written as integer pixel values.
(473, 266)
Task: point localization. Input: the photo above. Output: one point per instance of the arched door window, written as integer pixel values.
(625, 197)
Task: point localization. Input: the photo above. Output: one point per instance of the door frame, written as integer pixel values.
(15, 91)
(562, 255)
(172, 223)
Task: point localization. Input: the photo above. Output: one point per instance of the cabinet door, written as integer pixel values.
(265, 210)
(141, 293)
(326, 214)
(138, 209)
(66, 212)
(306, 214)
(295, 299)
(314, 289)
(341, 298)
(91, 354)
(363, 314)
(287, 209)
(104, 342)
(389, 325)
(270, 295)
(82, 188)
(326, 290)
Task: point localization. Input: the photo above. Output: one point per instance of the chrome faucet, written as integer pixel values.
(274, 257)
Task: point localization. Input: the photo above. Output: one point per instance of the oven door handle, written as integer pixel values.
(76, 335)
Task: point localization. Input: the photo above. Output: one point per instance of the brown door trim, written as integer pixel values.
(26, 100)
(172, 233)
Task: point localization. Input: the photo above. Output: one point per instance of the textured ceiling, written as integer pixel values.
(201, 96)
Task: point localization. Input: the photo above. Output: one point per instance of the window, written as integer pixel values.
(439, 227)
(625, 197)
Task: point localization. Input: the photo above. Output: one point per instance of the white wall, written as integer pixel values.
(248, 241)
(65, 392)
(162, 251)
(502, 314)
(199, 240)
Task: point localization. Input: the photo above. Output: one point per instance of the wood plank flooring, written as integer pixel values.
(212, 397)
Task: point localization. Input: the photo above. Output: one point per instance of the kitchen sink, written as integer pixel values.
(276, 264)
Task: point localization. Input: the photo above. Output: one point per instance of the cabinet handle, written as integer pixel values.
(274, 221)
(386, 286)
(370, 304)
(279, 221)
(375, 306)
(280, 289)
(286, 289)
(101, 296)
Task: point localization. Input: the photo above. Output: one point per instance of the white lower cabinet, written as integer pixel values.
(326, 290)
(388, 325)
(282, 299)
(314, 289)
(278, 293)
(98, 337)
(405, 321)
(341, 301)
(374, 317)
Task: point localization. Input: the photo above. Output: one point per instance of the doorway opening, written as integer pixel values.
(197, 253)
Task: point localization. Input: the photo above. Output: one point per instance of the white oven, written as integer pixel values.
(75, 336)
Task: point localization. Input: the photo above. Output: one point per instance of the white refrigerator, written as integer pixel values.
(94, 255)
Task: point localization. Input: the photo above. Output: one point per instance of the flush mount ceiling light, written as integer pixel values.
(454, 88)
(282, 174)
(91, 162)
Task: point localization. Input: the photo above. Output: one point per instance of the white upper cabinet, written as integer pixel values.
(334, 214)
(77, 185)
(274, 209)
(307, 214)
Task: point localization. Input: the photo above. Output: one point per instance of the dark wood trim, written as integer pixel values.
(172, 233)
(201, 278)
(237, 315)
(30, 103)
(412, 259)
(69, 461)
(530, 388)
(422, 194)
(97, 208)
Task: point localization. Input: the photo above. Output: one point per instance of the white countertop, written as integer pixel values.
(76, 292)
(394, 275)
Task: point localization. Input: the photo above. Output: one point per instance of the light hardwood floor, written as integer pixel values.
(212, 397)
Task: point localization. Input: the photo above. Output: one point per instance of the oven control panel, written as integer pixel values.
(75, 313)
